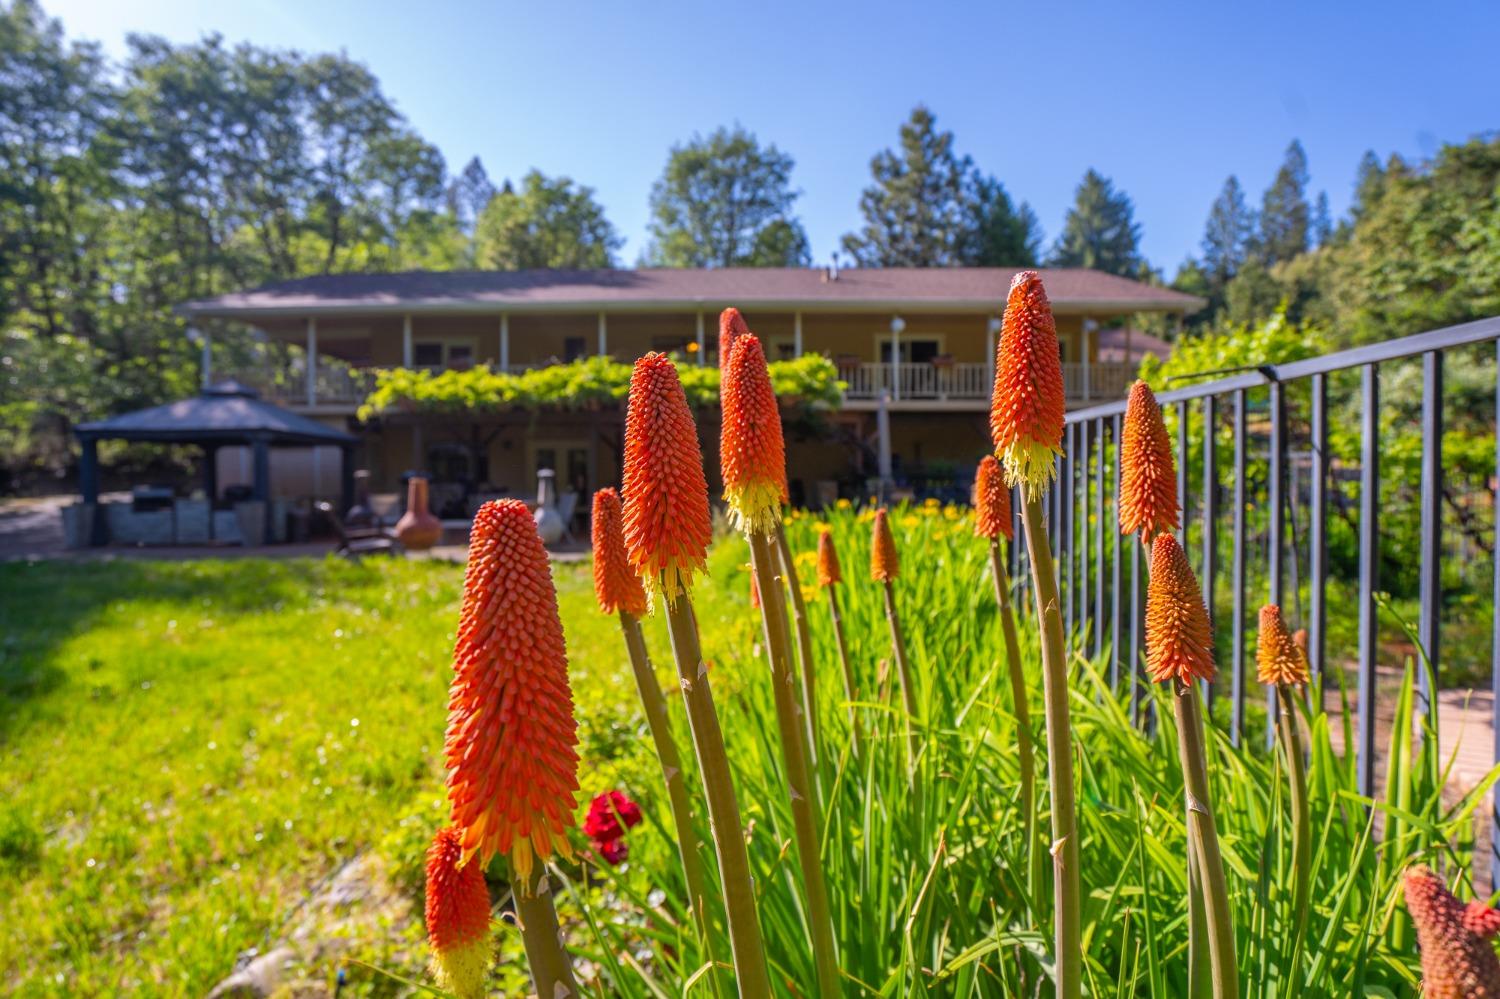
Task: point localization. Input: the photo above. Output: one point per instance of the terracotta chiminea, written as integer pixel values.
(418, 529)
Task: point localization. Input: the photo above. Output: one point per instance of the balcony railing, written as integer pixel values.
(333, 384)
(960, 382)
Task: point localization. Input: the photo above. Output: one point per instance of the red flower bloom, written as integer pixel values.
(458, 916)
(731, 328)
(613, 851)
(610, 814)
(667, 526)
(616, 585)
(512, 737)
(992, 513)
(1179, 636)
(752, 451)
(1026, 409)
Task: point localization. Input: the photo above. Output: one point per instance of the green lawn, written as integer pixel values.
(189, 750)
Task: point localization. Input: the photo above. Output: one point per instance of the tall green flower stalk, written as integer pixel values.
(830, 574)
(1179, 651)
(1281, 663)
(753, 456)
(667, 532)
(804, 646)
(884, 568)
(1026, 425)
(619, 590)
(993, 521)
(551, 970)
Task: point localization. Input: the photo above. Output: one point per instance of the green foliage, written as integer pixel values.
(810, 380)
(726, 201)
(930, 207)
(548, 223)
(1100, 231)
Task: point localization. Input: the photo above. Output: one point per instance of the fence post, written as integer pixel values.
(1369, 572)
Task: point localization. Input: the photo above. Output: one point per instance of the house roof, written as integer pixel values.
(939, 289)
(226, 413)
(1130, 345)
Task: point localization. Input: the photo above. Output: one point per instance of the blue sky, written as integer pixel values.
(1167, 101)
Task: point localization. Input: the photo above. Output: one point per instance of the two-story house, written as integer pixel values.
(922, 338)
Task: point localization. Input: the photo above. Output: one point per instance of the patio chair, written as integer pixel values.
(359, 541)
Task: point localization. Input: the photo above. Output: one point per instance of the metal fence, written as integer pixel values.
(1102, 579)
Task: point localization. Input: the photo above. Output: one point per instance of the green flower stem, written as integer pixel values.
(851, 690)
(723, 809)
(1024, 747)
(1200, 818)
(805, 821)
(1296, 768)
(804, 648)
(908, 692)
(1197, 953)
(655, 706)
(551, 970)
(1068, 899)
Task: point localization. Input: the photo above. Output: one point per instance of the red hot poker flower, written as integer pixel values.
(992, 513)
(829, 572)
(1148, 479)
(512, 737)
(616, 586)
(884, 565)
(731, 328)
(667, 526)
(752, 451)
(1278, 657)
(1458, 961)
(458, 917)
(1179, 637)
(1026, 410)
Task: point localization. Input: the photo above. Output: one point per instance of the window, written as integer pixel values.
(435, 355)
(914, 349)
(572, 348)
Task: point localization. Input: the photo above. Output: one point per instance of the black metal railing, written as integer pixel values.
(1101, 577)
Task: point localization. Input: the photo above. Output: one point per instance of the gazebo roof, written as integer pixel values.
(227, 412)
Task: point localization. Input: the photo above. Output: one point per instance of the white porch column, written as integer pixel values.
(897, 325)
(312, 361)
(505, 341)
(797, 335)
(991, 331)
(205, 354)
(603, 336)
(1088, 335)
(406, 353)
(702, 342)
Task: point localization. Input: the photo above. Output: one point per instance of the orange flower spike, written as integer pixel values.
(1179, 637)
(458, 917)
(992, 513)
(731, 328)
(1148, 478)
(1026, 411)
(616, 585)
(752, 451)
(829, 572)
(512, 737)
(667, 527)
(884, 565)
(1458, 961)
(1278, 657)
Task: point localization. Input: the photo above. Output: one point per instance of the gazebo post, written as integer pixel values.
(88, 487)
(211, 473)
(263, 479)
(347, 480)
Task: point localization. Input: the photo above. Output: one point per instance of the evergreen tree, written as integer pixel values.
(1100, 231)
(1369, 182)
(998, 233)
(549, 222)
(1226, 236)
(726, 201)
(1322, 220)
(1285, 216)
(916, 213)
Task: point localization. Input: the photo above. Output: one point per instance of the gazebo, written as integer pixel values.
(227, 413)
